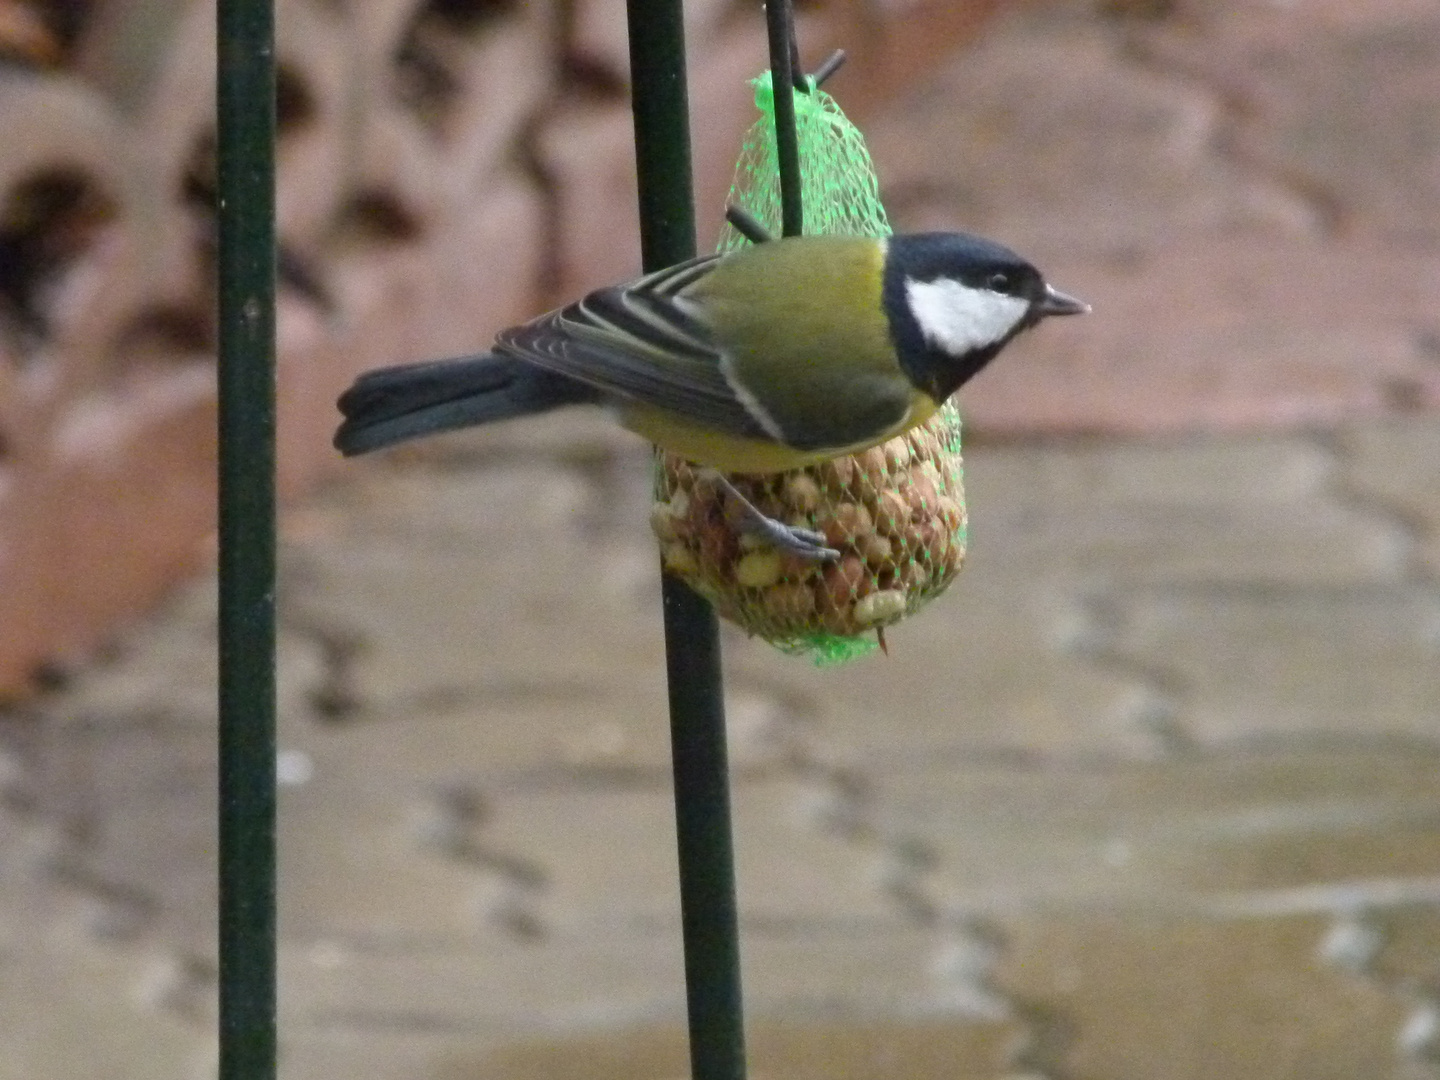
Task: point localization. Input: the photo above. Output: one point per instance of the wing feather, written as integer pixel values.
(646, 343)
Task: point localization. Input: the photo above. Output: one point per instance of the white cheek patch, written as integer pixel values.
(957, 318)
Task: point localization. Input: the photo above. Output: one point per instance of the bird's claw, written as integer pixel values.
(791, 539)
(794, 540)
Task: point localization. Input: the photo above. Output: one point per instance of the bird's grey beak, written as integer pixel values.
(1055, 302)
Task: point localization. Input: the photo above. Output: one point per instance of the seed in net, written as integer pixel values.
(679, 559)
(872, 474)
(801, 492)
(876, 550)
(668, 520)
(892, 512)
(897, 454)
(719, 545)
(840, 585)
(845, 523)
(789, 603)
(950, 512)
(837, 474)
(886, 605)
(758, 569)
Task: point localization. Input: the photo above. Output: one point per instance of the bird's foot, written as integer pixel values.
(791, 539)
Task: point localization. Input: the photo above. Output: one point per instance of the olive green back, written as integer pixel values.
(827, 381)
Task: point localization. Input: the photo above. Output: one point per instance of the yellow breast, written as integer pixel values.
(729, 453)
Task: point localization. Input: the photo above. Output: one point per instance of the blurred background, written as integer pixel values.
(1153, 792)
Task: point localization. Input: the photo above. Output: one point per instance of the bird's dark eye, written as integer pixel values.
(999, 282)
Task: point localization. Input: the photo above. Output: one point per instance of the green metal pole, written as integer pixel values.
(661, 108)
(246, 217)
(692, 636)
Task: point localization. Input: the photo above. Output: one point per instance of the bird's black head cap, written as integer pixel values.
(997, 294)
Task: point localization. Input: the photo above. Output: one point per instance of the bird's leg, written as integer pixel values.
(791, 539)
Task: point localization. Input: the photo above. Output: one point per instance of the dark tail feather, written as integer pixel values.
(394, 404)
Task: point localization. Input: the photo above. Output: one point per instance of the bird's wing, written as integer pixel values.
(645, 343)
(831, 379)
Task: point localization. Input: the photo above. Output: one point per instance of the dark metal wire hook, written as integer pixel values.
(747, 224)
(829, 67)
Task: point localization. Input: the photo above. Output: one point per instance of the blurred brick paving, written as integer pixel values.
(1154, 793)
(1169, 745)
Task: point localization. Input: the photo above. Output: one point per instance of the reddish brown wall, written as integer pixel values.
(438, 180)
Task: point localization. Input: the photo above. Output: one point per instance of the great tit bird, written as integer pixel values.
(771, 357)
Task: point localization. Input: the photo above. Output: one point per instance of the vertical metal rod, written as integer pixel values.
(709, 922)
(660, 104)
(692, 636)
(246, 184)
(780, 23)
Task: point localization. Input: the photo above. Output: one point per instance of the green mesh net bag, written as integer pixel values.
(838, 189)
(896, 512)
